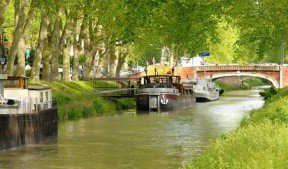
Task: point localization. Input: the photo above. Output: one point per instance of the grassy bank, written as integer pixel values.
(74, 104)
(260, 142)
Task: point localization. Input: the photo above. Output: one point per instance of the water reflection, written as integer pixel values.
(156, 140)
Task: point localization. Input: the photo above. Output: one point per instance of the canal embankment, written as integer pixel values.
(74, 104)
(261, 141)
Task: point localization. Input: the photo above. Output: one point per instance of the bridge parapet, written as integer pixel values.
(237, 67)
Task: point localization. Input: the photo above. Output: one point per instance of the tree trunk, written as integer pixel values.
(75, 73)
(22, 43)
(123, 53)
(113, 61)
(55, 46)
(43, 38)
(46, 71)
(21, 58)
(101, 63)
(77, 49)
(90, 53)
(66, 63)
(3, 7)
(18, 33)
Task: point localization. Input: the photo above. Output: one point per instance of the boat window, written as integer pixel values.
(41, 97)
(186, 92)
(11, 82)
(46, 94)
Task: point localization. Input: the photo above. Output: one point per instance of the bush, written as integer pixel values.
(103, 108)
(268, 93)
(125, 103)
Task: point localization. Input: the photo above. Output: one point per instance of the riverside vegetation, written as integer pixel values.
(74, 104)
(261, 141)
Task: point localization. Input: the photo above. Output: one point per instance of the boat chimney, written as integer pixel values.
(173, 69)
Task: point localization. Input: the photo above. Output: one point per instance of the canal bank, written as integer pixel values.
(73, 102)
(129, 140)
(260, 142)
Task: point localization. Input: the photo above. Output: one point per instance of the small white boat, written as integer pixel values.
(204, 89)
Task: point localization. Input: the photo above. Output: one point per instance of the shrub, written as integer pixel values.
(103, 108)
(268, 93)
(125, 103)
(74, 113)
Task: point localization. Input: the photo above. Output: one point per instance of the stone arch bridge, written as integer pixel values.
(277, 75)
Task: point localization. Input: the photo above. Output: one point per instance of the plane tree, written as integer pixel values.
(263, 26)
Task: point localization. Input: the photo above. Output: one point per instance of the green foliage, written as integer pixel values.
(256, 82)
(269, 93)
(102, 107)
(255, 146)
(225, 86)
(238, 31)
(125, 103)
(73, 104)
(260, 142)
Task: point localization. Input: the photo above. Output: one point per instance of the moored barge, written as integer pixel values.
(27, 114)
(163, 93)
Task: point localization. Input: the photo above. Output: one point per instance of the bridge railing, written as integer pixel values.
(237, 67)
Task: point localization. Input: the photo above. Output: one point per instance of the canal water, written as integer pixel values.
(129, 141)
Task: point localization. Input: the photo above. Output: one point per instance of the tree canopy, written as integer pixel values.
(108, 34)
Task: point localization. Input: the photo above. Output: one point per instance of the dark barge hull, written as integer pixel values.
(25, 129)
(174, 103)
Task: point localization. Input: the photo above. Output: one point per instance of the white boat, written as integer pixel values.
(204, 89)
(27, 114)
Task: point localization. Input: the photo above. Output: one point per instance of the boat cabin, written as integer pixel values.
(27, 99)
(167, 79)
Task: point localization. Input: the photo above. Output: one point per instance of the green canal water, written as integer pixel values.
(129, 141)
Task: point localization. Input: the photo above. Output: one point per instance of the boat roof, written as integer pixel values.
(38, 87)
(161, 76)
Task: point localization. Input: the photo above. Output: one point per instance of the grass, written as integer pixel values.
(74, 104)
(261, 141)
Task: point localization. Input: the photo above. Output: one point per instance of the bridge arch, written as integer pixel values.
(246, 74)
